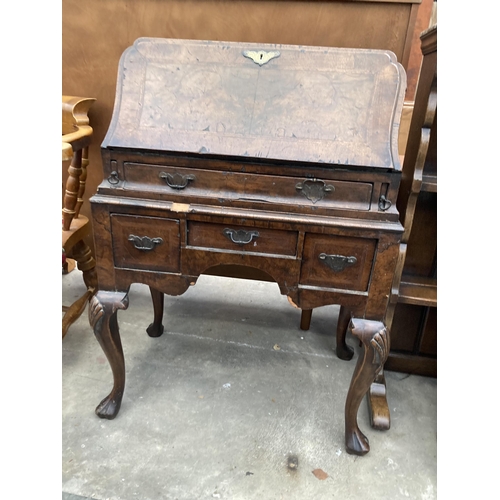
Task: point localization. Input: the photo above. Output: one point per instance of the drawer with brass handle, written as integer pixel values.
(149, 243)
(240, 188)
(242, 239)
(341, 262)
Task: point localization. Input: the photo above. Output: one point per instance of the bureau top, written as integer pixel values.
(259, 101)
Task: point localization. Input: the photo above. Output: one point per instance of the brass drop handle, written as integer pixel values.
(337, 263)
(240, 236)
(144, 243)
(177, 181)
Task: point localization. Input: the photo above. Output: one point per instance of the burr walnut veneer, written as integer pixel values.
(274, 162)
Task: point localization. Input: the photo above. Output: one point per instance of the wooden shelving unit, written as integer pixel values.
(412, 311)
(412, 317)
(429, 183)
(418, 290)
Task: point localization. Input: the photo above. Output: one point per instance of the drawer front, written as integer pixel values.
(147, 243)
(337, 262)
(242, 239)
(246, 187)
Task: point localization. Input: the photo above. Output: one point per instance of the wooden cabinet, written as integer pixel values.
(278, 159)
(413, 310)
(91, 49)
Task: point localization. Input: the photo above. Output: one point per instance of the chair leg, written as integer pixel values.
(83, 180)
(72, 188)
(86, 263)
(75, 311)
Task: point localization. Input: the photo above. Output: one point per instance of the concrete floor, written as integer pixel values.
(214, 408)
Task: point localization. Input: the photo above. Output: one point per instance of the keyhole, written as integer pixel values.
(261, 56)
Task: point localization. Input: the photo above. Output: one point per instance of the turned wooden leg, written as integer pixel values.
(72, 188)
(83, 181)
(75, 311)
(378, 409)
(103, 319)
(155, 329)
(343, 350)
(375, 344)
(86, 263)
(305, 319)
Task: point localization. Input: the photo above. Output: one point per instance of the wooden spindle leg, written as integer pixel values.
(86, 263)
(75, 311)
(155, 329)
(103, 319)
(375, 344)
(343, 350)
(83, 181)
(72, 188)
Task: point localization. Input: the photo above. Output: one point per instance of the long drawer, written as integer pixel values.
(177, 183)
(242, 239)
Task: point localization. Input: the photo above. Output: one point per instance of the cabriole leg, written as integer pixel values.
(155, 329)
(375, 344)
(103, 319)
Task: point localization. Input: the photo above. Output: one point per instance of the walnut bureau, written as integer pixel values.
(225, 157)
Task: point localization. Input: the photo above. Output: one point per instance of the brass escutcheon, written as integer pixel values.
(261, 57)
(314, 189)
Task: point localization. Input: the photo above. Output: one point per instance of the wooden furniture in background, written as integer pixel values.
(109, 27)
(412, 314)
(424, 15)
(280, 159)
(76, 137)
(413, 306)
(412, 311)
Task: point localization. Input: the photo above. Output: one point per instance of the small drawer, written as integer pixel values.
(243, 188)
(148, 243)
(337, 262)
(241, 238)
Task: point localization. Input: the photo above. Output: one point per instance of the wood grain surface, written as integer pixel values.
(320, 105)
